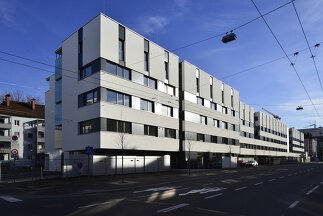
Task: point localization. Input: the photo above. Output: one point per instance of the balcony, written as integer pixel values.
(5, 138)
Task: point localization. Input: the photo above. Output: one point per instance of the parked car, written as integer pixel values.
(241, 163)
(252, 163)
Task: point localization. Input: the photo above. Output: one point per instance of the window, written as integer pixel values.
(200, 137)
(86, 71)
(150, 82)
(224, 110)
(86, 127)
(30, 135)
(90, 97)
(111, 68)
(118, 98)
(166, 59)
(213, 106)
(117, 70)
(211, 91)
(222, 97)
(146, 105)
(224, 125)
(203, 120)
(170, 90)
(121, 42)
(214, 139)
(150, 130)
(200, 101)
(198, 85)
(233, 113)
(146, 55)
(216, 123)
(170, 133)
(231, 100)
(119, 126)
(17, 122)
(167, 111)
(30, 146)
(225, 140)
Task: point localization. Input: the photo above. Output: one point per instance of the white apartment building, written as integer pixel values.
(113, 85)
(296, 141)
(14, 117)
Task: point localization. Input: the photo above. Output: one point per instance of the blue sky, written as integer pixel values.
(35, 29)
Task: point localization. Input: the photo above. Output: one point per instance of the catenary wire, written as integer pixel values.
(309, 97)
(312, 56)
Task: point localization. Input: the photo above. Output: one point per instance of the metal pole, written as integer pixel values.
(88, 170)
(41, 172)
(14, 170)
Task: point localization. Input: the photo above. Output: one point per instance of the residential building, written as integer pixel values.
(127, 97)
(13, 118)
(296, 141)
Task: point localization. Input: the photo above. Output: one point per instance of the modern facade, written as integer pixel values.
(14, 118)
(124, 95)
(314, 140)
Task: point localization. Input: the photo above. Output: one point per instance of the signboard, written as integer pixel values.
(14, 138)
(14, 152)
(89, 150)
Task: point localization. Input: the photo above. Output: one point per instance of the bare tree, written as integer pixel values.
(17, 95)
(122, 145)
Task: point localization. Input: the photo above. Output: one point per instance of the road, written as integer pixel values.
(293, 189)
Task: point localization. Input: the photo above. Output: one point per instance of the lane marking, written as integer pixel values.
(293, 204)
(157, 189)
(281, 177)
(10, 199)
(240, 188)
(216, 195)
(313, 189)
(96, 204)
(259, 183)
(272, 180)
(165, 210)
(168, 191)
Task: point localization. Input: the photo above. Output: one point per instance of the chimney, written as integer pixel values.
(33, 104)
(7, 100)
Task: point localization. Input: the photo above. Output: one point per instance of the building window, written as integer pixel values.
(224, 110)
(167, 111)
(120, 71)
(166, 60)
(214, 139)
(150, 82)
(224, 125)
(90, 97)
(119, 126)
(200, 101)
(150, 130)
(86, 71)
(121, 43)
(118, 98)
(17, 122)
(200, 137)
(211, 91)
(146, 55)
(30, 146)
(222, 97)
(198, 85)
(170, 133)
(170, 89)
(86, 127)
(225, 140)
(111, 68)
(216, 123)
(213, 106)
(203, 120)
(146, 105)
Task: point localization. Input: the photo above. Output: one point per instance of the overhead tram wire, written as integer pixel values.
(312, 56)
(309, 97)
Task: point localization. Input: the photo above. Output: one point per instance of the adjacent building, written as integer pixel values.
(313, 142)
(17, 118)
(125, 96)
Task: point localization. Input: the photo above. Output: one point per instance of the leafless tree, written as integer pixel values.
(18, 95)
(122, 145)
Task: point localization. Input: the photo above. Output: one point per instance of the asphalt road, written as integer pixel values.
(294, 189)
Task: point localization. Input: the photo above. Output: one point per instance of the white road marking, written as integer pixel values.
(10, 199)
(156, 189)
(216, 195)
(143, 196)
(202, 191)
(293, 204)
(240, 188)
(172, 208)
(282, 177)
(259, 183)
(313, 189)
(96, 204)
(272, 180)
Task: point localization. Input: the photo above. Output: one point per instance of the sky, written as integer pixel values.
(35, 29)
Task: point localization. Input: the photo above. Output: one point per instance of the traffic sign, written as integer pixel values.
(89, 150)
(14, 138)
(14, 152)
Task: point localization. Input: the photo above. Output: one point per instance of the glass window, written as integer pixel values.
(200, 101)
(214, 139)
(120, 98)
(121, 50)
(120, 71)
(127, 100)
(89, 98)
(87, 71)
(197, 85)
(112, 125)
(166, 71)
(152, 83)
(111, 68)
(146, 105)
(85, 127)
(170, 133)
(150, 130)
(95, 96)
(126, 73)
(225, 140)
(170, 90)
(203, 120)
(200, 137)
(167, 111)
(112, 96)
(146, 61)
(213, 106)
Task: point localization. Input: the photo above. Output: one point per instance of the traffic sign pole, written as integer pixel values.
(88, 170)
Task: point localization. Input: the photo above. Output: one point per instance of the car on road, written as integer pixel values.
(252, 163)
